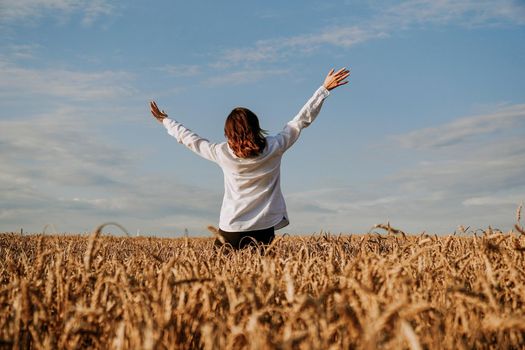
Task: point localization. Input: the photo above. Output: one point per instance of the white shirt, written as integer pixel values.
(252, 188)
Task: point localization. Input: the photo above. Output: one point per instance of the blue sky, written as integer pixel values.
(428, 135)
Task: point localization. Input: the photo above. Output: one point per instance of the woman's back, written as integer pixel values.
(252, 193)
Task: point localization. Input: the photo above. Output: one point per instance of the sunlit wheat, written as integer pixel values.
(386, 289)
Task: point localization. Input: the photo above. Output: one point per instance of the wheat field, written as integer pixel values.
(381, 290)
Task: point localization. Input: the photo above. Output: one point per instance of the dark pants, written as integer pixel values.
(240, 240)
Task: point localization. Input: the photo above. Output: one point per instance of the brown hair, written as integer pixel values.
(245, 136)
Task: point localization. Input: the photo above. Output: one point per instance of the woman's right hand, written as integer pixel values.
(157, 113)
(334, 80)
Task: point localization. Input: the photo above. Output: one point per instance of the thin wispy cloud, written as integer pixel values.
(474, 181)
(436, 196)
(58, 169)
(79, 85)
(18, 11)
(182, 70)
(471, 155)
(94, 9)
(390, 19)
(18, 52)
(467, 174)
(233, 62)
(462, 13)
(480, 174)
(61, 148)
(243, 76)
(273, 50)
(495, 200)
(464, 129)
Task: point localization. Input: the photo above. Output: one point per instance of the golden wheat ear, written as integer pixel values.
(215, 231)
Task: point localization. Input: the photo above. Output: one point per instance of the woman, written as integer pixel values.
(253, 206)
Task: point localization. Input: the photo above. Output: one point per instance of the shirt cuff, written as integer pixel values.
(323, 91)
(166, 122)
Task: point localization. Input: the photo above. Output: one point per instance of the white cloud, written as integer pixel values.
(19, 11)
(464, 129)
(61, 148)
(513, 200)
(475, 181)
(388, 20)
(276, 49)
(464, 12)
(16, 80)
(21, 51)
(182, 70)
(466, 173)
(58, 169)
(243, 76)
(94, 9)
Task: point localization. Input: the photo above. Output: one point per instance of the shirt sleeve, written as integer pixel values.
(287, 137)
(188, 138)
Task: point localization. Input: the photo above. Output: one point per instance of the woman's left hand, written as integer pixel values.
(157, 113)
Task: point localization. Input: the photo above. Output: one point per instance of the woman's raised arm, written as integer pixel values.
(188, 138)
(311, 109)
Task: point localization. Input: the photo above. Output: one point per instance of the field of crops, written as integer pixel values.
(382, 290)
